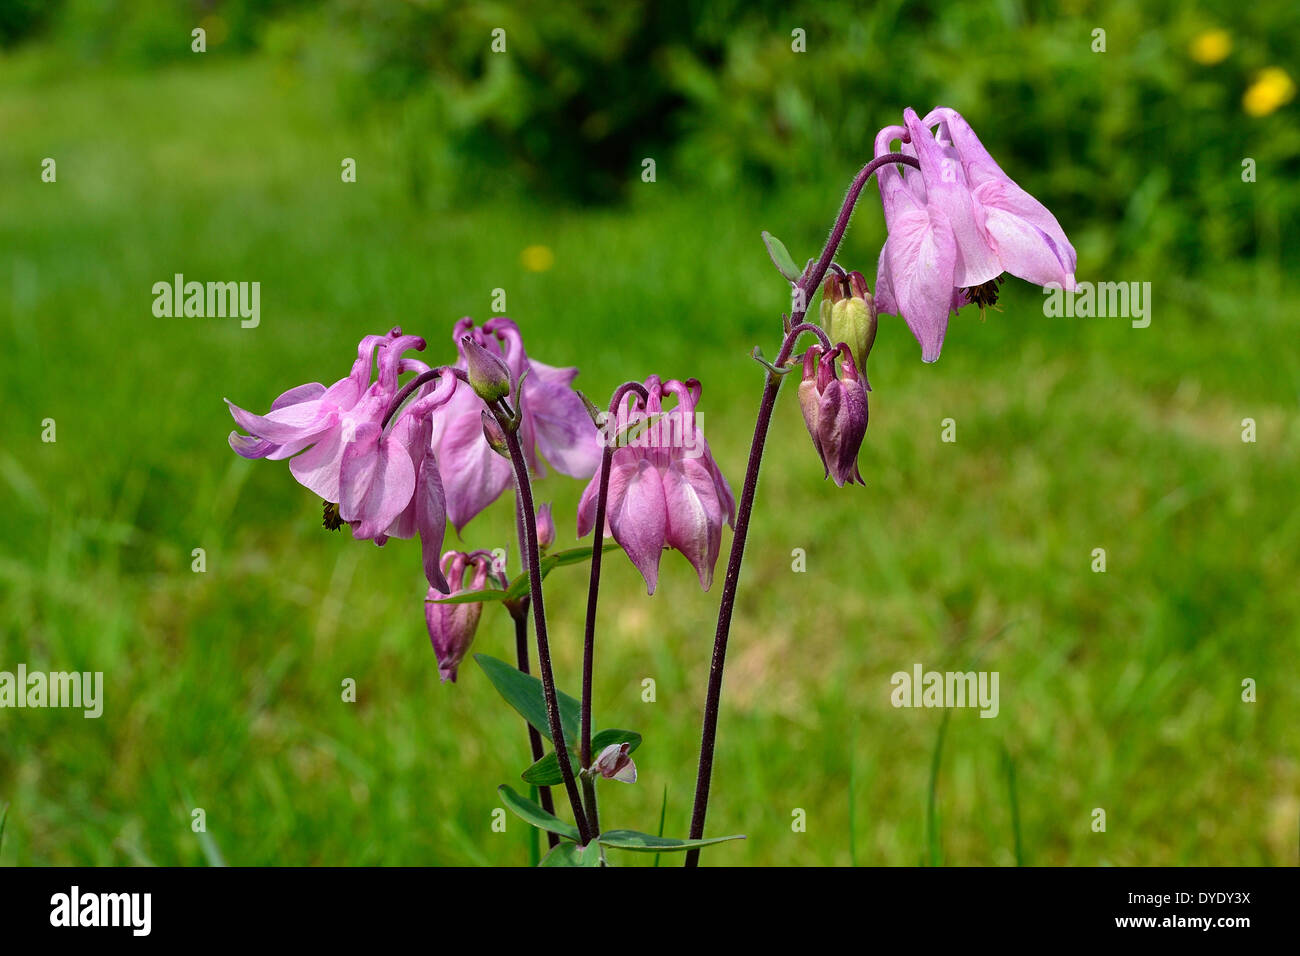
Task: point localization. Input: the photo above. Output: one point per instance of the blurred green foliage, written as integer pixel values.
(1141, 134)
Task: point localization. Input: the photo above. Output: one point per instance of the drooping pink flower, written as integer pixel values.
(955, 226)
(555, 429)
(321, 421)
(452, 626)
(383, 477)
(835, 410)
(665, 489)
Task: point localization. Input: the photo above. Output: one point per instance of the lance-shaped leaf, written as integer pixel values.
(649, 843)
(546, 772)
(530, 812)
(520, 586)
(570, 854)
(524, 693)
(781, 257)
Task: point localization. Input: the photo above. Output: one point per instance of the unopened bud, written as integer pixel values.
(835, 410)
(495, 434)
(853, 320)
(488, 374)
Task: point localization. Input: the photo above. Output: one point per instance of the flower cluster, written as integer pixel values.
(395, 460)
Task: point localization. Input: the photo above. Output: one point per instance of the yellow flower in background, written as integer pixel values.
(1271, 89)
(1211, 47)
(537, 258)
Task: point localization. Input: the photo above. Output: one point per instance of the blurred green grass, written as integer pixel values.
(1120, 691)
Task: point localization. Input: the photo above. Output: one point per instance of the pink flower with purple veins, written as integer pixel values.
(376, 472)
(955, 225)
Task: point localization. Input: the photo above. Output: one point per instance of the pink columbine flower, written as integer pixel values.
(452, 626)
(384, 479)
(835, 410)
(555, 429)
(614, 763)
(955, 226)
(665, 490)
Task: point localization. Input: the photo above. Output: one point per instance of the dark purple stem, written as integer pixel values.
(593, 592)
(520, 614)
(534, 738)
(409, 388)
(547, 674)
(808, 284)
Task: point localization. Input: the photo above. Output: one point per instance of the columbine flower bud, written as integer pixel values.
(452, 626)
(615, 764)
(489, 375)
(835, 410)
(545, 528)
(832, 292)
(853, 320)
(495, 434)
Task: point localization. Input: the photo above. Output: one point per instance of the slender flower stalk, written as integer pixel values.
(806, 285)
(519, 612)
(547, 674)
(534, 738)
(593, 597)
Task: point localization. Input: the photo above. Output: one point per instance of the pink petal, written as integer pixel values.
(695, 515)
(318, 468)
(921, 254)
(638, 517)
(376, 481)
(473, 474)
(946, 189)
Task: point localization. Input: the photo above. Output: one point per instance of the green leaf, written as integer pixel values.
(649, 843)
(603, 738)
(521, 585)
(578, 555)
(523, 692)
(570, 854)
(471, 597)
(622, 439)
(781, 257)
(546, 772)
(530, 812)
